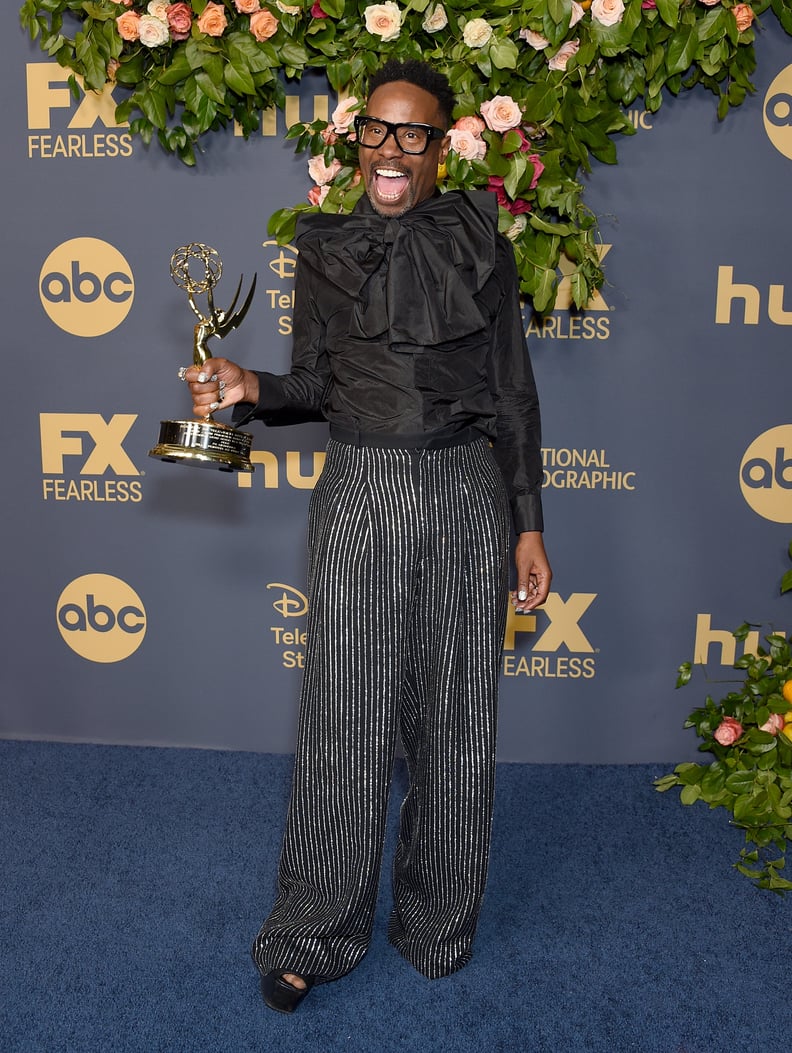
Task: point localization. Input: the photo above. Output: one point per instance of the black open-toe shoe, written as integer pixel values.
(281, 995)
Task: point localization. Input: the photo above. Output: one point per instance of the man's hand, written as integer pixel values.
(533, 572)
(238, 385)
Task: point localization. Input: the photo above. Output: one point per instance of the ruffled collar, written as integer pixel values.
(414, 276)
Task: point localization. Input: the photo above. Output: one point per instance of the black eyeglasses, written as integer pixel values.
(410, 138)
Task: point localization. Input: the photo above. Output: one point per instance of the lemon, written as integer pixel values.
(786, 691)
(786, 731)
(442, 172)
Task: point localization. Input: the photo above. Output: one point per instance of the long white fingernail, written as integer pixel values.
(214, 405)
(202, 378)
(522, 595)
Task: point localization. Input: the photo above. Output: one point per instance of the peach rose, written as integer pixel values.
(467, 145)
(476, 33)
(607, 12)
(179, 20)
(564, 54)
(247, 7)
(536, 40)
(322, 173)
(501, 113)
(317, 194)
(344, 115)
(152, 32)
(435, 20)
(577, 14)
(710, 3)
(212, 20)
(774, 724)
(263, 25)
(329, 136)
(383, 20)
(728, 731)
(158, 9)
(128, 25)
(474, 125)
(743, 16)
(112, 68)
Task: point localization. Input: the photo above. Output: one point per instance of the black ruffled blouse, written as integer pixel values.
(412, 326)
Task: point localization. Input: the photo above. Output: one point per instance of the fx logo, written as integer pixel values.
(563, 629)
(284, 258)
(292, 604)
(48, 90)
(62, 435)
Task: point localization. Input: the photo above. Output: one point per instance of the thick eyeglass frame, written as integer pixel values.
(393, 129)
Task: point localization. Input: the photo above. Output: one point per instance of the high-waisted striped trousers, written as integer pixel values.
(407, 591)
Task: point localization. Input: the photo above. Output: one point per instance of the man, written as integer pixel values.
(408, 339)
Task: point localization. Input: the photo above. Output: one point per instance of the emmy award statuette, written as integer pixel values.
(203, 441)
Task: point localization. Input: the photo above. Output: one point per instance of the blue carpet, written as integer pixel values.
(133, 881)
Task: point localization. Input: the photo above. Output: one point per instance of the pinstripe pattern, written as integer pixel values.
(407, 590)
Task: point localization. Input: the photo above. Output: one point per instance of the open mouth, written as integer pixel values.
(389, 183)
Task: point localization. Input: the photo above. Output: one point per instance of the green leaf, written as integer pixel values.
(504, 54)
(239, 80)
(669, 12)
(681, 49)
(690, 794)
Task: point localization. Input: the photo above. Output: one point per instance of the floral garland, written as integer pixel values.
(542, 88)
(749, 732)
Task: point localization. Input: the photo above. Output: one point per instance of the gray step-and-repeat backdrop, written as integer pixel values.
(151, 603)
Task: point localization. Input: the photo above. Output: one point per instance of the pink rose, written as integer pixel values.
(710, 3)
(577, 14)
(212, 20)
(537, 166)
(774, 724)
(728, 731)
(649, 5)
(607, 12)
(317, 12)
(179, 20)
(317, 194)
(263, 25)
(536, 40)
(344, 114)
(467, 145)
(743, 16)
(128, 25)
(495, 184)
(564, 54)
(247, 7)
(322, 173)
(474, 125)
(501, 113)
(329, 136)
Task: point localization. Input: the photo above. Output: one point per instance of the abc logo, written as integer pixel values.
(101, 618)
(778, 112)
(766, 474)
(86, 287)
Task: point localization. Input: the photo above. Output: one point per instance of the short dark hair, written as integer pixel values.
(422, 75)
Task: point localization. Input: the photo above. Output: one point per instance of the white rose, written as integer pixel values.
(577, 14)
(476, 33)
(564, 54)
(383, 20)
(153, 32)
(437, 20)
(536, 40)
(158, 9)
(517, 227)
(607, 12)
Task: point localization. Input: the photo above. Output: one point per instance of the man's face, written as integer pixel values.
(396, 182)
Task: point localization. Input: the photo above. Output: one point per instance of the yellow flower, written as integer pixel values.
(442, 172)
